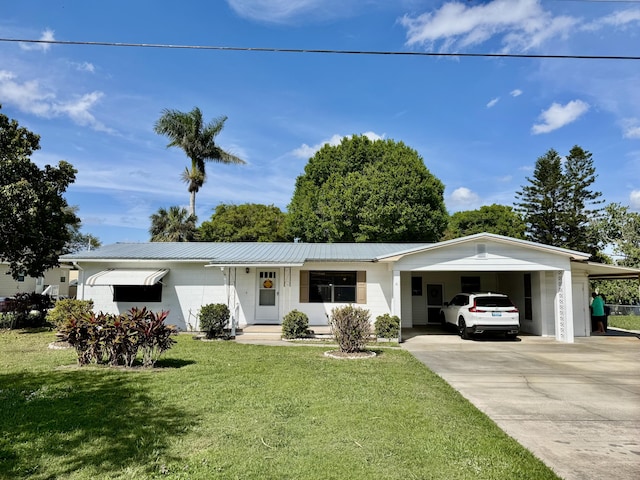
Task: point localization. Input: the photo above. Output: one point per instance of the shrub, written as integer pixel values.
(66, 308)
(30, 310)
(7, 320)
(295, 324)
(116, 339)
(213, 319)
(351, 328)
(387, 326)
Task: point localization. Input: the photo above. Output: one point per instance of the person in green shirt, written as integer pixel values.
(597, 313)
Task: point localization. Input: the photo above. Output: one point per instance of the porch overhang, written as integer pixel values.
(601, 271)
(252, 264)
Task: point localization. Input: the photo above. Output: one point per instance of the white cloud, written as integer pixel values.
(620, 19)
(521, 24)
(631, 128)
(84, 67)
(47, 35)
(30, 97)
(516, 93)
(493, 102)
(306, 151)
(282, 11)
(557, 116)
(634, 199)
(463, 199)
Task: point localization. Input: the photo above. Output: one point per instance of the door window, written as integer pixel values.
(267, 294)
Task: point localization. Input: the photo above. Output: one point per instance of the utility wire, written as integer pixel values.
(325, 51)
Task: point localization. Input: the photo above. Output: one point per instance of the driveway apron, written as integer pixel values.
(575, 406)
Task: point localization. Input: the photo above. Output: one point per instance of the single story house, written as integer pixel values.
(57, 282)
(262, 282)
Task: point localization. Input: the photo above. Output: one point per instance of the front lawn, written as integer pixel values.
(626, 322)
(228, 411)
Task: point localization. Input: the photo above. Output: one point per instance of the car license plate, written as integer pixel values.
(496, 314)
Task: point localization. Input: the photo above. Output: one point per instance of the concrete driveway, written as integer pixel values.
(575, 406)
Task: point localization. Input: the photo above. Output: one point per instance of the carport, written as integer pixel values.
(550, 285)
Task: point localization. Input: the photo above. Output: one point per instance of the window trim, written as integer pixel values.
(361, 285)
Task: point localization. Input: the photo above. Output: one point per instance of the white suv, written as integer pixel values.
(481, 312)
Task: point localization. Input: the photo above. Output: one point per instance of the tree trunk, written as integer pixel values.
(192, 204)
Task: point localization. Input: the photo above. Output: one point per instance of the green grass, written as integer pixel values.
(228, 411)
(626, 322)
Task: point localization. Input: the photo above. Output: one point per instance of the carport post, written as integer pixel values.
(395, 301)
(563, 307)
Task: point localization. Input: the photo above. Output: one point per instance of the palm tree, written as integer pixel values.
(197, 139)
(175, 225)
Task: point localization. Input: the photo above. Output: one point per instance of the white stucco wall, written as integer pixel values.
(379, 290)
(185, 289)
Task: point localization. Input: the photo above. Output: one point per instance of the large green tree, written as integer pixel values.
(188, 131)
(582, 205)
(249, 222)
(619, 230)
(367, 191)
(173, 225)
(558, 204)
(35, 220)
(542, 200)
(498, 219)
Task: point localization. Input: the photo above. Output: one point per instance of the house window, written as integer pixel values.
(332, 287)
(21, 277)
(137, 293)
(63, 279)
(416, 286)
(469, 284)
(528, 298)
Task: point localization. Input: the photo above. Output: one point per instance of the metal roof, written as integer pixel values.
(244, 253)
(267, 253)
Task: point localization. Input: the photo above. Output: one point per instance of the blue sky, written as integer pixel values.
(478, 123)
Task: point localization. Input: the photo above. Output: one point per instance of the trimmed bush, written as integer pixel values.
(67, 308)
(387, 326)
(213, 319)
(295, 324)
(351, 328)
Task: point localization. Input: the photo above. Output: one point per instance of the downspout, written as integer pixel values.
(80, 279)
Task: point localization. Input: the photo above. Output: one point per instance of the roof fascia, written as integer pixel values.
(487, 236)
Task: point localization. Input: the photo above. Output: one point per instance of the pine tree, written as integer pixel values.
(558, 205)
(582, 202)
(543, 200)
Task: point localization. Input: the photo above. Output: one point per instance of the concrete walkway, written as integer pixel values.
(575, 406)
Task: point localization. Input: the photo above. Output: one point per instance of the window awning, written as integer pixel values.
(122, 276)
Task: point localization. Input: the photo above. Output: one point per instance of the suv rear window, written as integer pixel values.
(493, 302)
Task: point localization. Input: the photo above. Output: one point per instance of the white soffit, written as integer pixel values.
(124, 276)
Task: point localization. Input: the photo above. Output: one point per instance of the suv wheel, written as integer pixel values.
(462, 329)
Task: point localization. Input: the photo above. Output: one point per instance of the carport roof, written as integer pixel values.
(601, 271)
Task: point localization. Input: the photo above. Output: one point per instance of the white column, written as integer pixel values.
(396, 295)
(563, 307)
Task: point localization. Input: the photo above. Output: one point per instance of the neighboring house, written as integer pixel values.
(55, 282)
(262, 282)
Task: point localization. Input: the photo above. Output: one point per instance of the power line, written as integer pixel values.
(324, 51)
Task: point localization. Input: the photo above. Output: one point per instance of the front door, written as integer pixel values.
(434, 302)
(267, 306)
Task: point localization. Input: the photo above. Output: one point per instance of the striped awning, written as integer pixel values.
(122, 276)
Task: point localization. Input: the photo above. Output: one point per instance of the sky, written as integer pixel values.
(478, 123)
